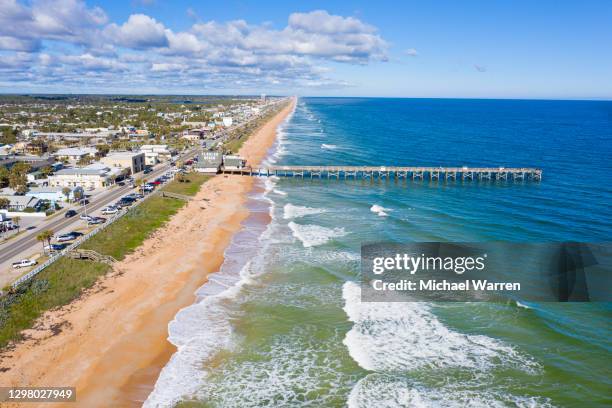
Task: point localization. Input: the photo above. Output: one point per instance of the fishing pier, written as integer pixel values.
(390, 172)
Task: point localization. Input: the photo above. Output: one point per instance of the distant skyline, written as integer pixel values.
(476, 49)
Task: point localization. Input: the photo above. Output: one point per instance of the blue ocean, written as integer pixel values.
(282, 324)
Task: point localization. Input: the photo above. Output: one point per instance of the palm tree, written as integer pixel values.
(16, 222)
(66, 192)
(45, 237)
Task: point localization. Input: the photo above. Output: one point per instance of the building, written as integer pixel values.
(227, 121)
(192, 136)
(55, 194)
(74, 154)
(74, 136)
(155, 154)
(20, 203)
(209, 162)
(93, 177)
(233, 162)
(35, 162)
(134, 161)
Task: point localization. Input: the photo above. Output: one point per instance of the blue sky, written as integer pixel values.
(489, 49)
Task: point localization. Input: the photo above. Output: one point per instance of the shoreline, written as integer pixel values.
(113, 340)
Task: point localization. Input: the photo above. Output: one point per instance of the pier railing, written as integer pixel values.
(394, 172)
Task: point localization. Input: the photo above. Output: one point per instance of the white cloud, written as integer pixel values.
(411, 52)
(64, 20)
(140, 31)
(166, 67)
(208, 54)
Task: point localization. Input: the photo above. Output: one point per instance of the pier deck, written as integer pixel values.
(391, 172)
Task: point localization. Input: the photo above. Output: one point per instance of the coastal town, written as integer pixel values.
(70, 163)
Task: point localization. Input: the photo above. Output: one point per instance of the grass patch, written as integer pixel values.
(65, 280)
(190, 185)
(129, 232)
(55, 286)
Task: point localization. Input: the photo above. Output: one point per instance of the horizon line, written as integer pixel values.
(589, 99)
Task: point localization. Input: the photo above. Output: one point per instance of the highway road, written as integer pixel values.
(25, 245)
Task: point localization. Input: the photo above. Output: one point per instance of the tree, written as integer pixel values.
(102, 150)
(45, 237)
(85, 160)
(4, 202)
(4, 176)
(46, 171)
(16, 221)
(8, 136)
(18, 179)
(66, 192)
(78, 195)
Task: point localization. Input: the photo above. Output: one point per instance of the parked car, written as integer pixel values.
(70, 214)
(147, 170)
(121, 183)
(125, 202)
(66, 237)
(24, 263)
(54, 247)
(96, 220)
(110, 210)
(85, 217)
(156, 182)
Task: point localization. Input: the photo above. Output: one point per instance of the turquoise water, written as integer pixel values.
(281, 324)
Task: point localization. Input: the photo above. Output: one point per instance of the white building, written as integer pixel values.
(74, 154)
(227, 121)
(95, 176)
(209, 162)
(134, 161)
(155, 154)
(231, 162)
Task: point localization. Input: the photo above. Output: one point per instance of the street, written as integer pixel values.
(26, 245)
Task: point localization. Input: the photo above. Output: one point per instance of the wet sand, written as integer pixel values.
(113, 344)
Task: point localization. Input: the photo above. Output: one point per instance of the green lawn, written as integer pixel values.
(65, 280)
(190, 186)
(126, 234)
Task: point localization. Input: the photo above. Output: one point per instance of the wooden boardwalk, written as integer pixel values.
(391, 172)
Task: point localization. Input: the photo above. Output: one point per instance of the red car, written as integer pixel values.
(156, 182)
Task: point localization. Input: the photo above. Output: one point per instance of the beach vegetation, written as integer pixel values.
(57, 285)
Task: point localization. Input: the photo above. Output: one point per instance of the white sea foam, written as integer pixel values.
(314, 235)
(201, 330)
(381, 211)
(387, 391)
(382, 330)
(524, 306)
(279, 192)
(296, 211)
(295, 369)
(329, 146)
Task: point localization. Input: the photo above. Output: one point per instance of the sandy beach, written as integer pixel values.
(112, 342)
